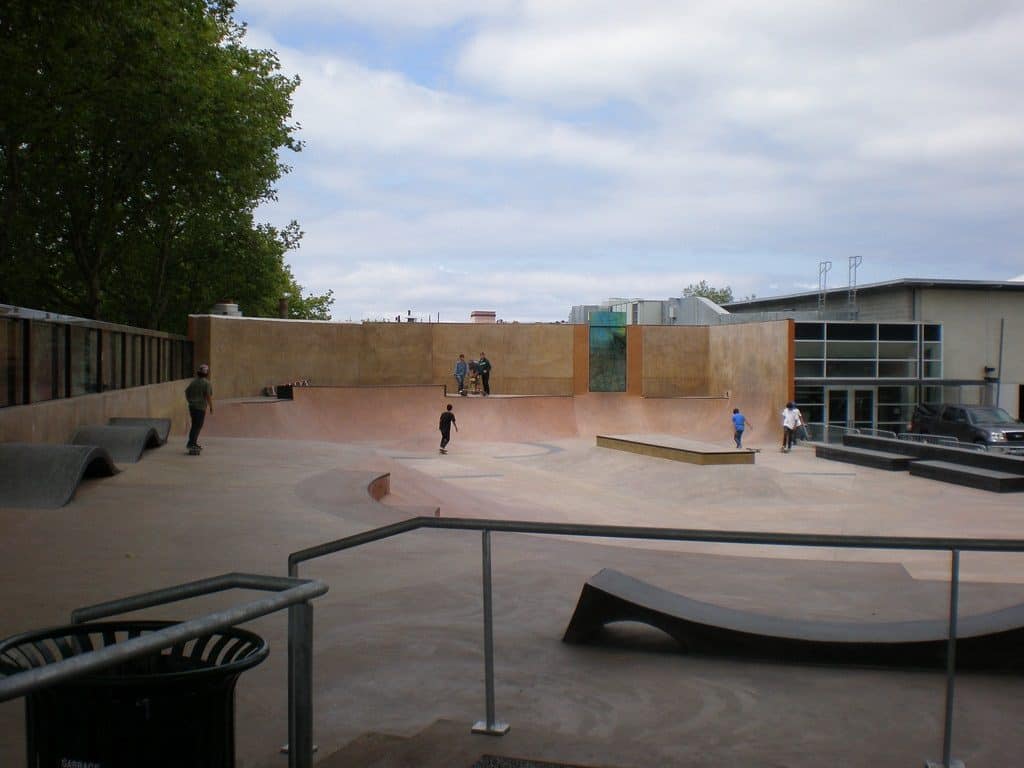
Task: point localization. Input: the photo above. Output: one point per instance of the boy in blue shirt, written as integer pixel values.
(739, 423)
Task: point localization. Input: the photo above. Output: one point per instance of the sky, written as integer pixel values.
(524, 156)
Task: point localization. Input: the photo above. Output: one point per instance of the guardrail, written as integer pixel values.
(291, 593)
(490, 725)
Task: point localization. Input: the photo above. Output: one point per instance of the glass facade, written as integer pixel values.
(866, 375)
(607, 352)
(47, 357)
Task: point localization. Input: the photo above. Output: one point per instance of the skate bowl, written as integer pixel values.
(123, 443)
(43, 476)
(162, 426)
(409, 415)
(984, 641)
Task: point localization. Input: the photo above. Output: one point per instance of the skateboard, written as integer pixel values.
(195, 450)
(442, 450)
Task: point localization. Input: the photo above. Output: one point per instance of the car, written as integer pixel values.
(980, 424)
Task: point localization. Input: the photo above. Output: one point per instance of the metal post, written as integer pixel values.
(490, 726)
(300, 686)
(954, 602)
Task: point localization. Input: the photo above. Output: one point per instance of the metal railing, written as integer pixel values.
(291, 593)
(490, 724)
(817, 432)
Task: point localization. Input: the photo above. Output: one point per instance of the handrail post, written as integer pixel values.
(488, 726)
(300, 686)
(954, 608)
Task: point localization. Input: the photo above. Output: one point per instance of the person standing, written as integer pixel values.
(790, 421)
(739, 424)
(445, 425)
(484, 366)
(461, 369)
(199, 394)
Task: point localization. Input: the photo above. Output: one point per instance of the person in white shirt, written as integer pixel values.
(791, 420)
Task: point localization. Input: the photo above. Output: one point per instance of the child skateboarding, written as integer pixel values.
(445, 425)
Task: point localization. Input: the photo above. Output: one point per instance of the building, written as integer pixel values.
(864, 358)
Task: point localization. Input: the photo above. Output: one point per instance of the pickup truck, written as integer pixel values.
(983, 424)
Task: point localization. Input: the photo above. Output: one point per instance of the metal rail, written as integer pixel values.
(491, 726)
(291, 593)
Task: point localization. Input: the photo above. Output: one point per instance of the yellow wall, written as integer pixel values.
(56, 421)
(247, 354)
(753, 362)
(675, 360)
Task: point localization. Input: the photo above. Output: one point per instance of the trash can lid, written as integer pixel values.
(223, 653)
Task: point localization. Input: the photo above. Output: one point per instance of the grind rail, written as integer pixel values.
(491, 726)
(291, 593)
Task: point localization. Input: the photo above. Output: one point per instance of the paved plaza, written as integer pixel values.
(398, 646)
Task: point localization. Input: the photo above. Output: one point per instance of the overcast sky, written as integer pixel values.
(527, 155)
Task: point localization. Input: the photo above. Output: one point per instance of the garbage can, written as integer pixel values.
(172, 708)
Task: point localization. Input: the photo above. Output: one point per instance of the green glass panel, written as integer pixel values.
(607, 359)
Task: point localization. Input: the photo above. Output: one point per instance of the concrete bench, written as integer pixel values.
(973, 477)
(865, 457)
(985, 641)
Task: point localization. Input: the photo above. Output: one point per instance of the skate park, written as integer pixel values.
(398, 652)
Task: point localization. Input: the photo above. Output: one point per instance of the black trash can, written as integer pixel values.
(173, 708)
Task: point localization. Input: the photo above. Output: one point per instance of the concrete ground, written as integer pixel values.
(398, 651)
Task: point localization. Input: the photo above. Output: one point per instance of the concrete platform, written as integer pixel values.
(865, 457)
(974, 477)
(398, 638)
(676, 449)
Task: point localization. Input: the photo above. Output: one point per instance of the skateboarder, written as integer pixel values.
(461, 369)
(199, 394)
(445, 425)
(791, 419)
(739, 423)
(484, 366)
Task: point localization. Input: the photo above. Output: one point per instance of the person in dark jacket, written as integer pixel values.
(445, 425)
(199, 394)
(484, 366)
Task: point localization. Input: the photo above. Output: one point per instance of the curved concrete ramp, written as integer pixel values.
(46, 476)
(162, 426)
(985, 641)
(124, 444)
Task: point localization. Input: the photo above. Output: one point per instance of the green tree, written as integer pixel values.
(136, 141)
(717, 295)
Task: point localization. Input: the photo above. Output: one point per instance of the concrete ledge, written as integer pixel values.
(47, 476)
(973, 477)
(675, 449)
(927, 452)
(894, 462)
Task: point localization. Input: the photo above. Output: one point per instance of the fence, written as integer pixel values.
(491, 725)
(47, 357)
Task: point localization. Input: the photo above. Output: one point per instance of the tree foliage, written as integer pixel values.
(717, 295)
(136, 141)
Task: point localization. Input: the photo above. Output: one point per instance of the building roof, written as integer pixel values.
(905, 282)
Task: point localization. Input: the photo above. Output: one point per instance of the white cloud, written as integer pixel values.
(567, 146)
(388, 13)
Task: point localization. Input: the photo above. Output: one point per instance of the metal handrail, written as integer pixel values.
(291, 593)
(491, 726)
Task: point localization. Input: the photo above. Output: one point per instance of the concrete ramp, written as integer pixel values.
(409, 415)
(124, 444)
(44, 476)
(984, 641)
(162, 426)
